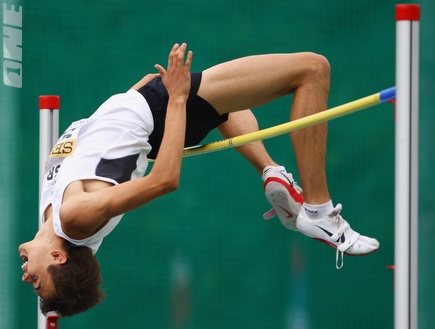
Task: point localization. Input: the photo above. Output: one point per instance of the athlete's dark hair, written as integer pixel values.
(77, 283)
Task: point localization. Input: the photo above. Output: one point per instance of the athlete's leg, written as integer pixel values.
(252, 81)
(241, 123)
(277, 182)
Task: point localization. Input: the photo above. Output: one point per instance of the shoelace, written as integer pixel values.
(339, 259)
(336, 218)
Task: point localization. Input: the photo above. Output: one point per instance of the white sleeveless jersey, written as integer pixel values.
(111, 145)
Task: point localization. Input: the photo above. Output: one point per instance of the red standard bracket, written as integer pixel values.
(409, 12)
(50, 102)
(52, 319)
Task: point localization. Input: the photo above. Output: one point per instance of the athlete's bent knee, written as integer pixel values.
(318, 65)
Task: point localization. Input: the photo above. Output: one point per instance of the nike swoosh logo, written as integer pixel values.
(289, 214)
(286, 178)
(342, 238)
(327, 232)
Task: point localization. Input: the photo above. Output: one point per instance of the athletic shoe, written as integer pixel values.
(336, 232)
(284, 195)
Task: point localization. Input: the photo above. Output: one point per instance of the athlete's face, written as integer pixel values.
(36, 261)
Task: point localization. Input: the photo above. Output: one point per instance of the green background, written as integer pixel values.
(203, 257)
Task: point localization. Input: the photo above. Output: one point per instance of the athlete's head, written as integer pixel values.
(66, 279)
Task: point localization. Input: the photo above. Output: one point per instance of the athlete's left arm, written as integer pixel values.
(142, 82)
(84, 212)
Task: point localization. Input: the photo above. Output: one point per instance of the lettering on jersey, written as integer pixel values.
(67, 142)
(63, 148)
(70, 132)
(12, 45)
(52, 173)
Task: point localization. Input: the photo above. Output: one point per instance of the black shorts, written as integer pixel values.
(201, 116)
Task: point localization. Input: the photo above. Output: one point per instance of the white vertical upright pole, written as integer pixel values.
(406, 166)
(48, 136)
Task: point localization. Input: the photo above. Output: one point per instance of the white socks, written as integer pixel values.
(318, 211)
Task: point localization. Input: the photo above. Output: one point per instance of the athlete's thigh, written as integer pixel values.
(251, 81)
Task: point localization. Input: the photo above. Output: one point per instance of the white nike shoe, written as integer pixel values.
(336, 232)
(284, 195)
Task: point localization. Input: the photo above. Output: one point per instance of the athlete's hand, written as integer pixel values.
(176, 77)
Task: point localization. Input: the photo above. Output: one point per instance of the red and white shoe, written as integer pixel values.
(284, 195)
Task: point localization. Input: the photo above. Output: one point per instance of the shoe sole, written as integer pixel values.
(282, 201)
(335, 247)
